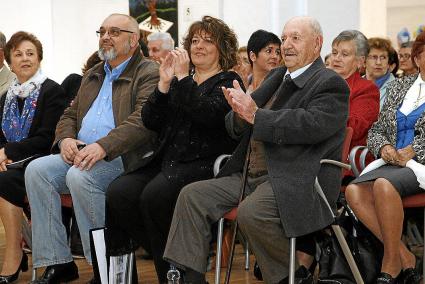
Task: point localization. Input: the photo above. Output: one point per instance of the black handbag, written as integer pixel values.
(366, 249)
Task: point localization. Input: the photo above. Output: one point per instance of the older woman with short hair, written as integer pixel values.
(397, 137)
(28, 115)
(349, 50)
(378, 65)
(187, 110)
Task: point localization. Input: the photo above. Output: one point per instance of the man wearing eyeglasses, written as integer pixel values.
(5, 75)
(406, 63)
(98, 138)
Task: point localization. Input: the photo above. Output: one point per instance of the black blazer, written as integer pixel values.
(190, 122)
(50, 106)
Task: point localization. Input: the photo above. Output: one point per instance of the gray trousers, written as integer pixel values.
(203, 203)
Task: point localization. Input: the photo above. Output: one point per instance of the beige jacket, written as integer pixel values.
(5, 79)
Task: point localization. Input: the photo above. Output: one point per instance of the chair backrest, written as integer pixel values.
(346, 144)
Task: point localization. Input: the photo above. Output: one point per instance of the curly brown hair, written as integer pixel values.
(418, 47)
(16, 40)
(223, 37)
(380, 43)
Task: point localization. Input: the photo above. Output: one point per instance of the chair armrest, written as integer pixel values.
(219, 163)
(361, 162)
(335, 163)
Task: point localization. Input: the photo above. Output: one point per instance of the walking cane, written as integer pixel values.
(235, 229)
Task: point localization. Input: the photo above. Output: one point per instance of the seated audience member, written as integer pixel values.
(159, 45)
(243, 66)
(71, 84)
(349, 50)
(116, 142)
(407, 64)
(378, 65)
(6, 76)
(297, 117)
(328, 60)
(187, 110)
(396, 137)
(393, 61)
(29, 112)
(263, 54)
(142, 42)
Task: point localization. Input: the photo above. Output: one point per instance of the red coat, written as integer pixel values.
(363, 109)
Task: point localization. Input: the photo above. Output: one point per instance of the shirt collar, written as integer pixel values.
(115, 72)
(298, 72)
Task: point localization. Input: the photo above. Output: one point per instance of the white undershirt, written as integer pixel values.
(413, 99)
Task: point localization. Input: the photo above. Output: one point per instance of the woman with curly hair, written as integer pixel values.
(187, 110)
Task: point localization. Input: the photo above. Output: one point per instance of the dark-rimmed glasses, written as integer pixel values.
(404, 56)
(113, 32)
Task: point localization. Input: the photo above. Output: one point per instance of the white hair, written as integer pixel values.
(314, 24)
(167, 40)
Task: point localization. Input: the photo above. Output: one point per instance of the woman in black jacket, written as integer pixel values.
(187, 110)
(28, 116)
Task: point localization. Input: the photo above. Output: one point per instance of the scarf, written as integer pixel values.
(16, 125)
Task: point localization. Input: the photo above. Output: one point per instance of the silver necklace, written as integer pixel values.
(419, 97)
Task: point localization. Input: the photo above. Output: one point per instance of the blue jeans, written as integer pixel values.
(48, 177)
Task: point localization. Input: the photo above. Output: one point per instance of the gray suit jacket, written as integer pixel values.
(5, 79)
(305, 124)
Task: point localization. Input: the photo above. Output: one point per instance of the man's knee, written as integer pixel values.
(246, 215)
(77, 179)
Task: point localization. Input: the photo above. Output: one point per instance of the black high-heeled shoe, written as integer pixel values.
(385, 278)
(23, 266)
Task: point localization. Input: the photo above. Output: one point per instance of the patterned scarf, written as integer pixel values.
(16, 125)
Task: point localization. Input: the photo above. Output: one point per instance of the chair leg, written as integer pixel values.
(130, 269)
(423, 256)
(218, 254)
(347, 253)
(246, 255)
(34, 274)
(292, 242)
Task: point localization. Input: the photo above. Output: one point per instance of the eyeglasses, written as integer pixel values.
(404, 56)
(376, 57)
(113, 32)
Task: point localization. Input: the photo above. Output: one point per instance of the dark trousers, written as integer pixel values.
(140, 208)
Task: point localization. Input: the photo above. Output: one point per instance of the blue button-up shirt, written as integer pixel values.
(99, 120)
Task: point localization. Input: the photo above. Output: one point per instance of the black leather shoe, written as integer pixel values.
(302, 276)
(58, 273)
(23, 266)
(411, 276)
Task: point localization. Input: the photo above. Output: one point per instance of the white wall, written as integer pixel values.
(247, 16)
(65, 28)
